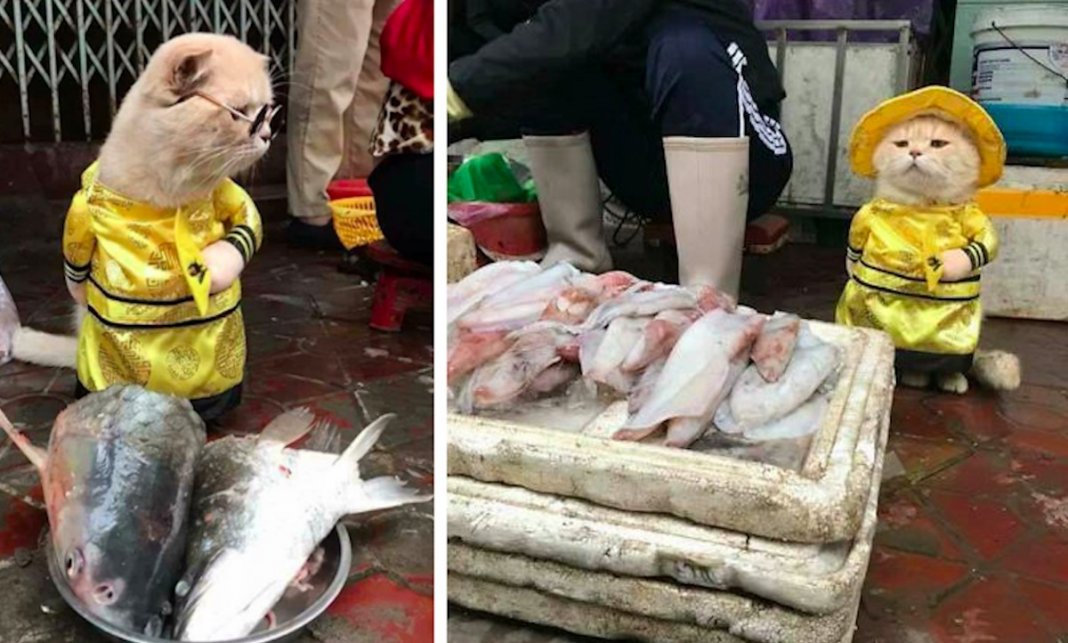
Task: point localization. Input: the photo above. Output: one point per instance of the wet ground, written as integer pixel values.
(972, 542)
(309, 345)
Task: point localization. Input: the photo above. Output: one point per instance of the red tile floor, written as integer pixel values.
(973, 536)
(309, 344)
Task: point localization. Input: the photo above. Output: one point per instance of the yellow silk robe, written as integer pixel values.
(895, 289)
(140, 266)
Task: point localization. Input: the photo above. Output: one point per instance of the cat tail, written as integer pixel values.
(48, 349)
(997, 370)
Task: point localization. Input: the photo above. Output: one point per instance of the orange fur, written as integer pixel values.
(169, 154)
(943, 173)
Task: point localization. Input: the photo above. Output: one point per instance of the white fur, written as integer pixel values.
(952, 383)
(48, 349)
(45, 349)
(997, 370)
(914, 379)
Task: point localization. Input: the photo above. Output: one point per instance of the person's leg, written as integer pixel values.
(577, 130)
(403, 185)
(362, 115)
(692, 78)
(716, 176)
(333, 40)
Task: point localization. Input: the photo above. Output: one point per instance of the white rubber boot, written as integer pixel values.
(569, 194)
(708, 179)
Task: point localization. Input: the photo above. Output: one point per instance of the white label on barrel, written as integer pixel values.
(1004, 74)
(1058, 56)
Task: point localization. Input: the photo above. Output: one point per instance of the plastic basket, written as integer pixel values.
(355, 221)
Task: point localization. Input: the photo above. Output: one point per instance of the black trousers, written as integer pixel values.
(403, 185)
(690, 86)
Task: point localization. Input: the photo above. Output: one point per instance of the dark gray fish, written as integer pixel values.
(118, 480)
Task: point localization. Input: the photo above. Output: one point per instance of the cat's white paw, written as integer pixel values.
(953, 383)
(914, 379)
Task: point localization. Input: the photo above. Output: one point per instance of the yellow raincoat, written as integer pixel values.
(151, 319)
(892, 287)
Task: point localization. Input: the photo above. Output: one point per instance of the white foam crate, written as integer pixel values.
(594, 571)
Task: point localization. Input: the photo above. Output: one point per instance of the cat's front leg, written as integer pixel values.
(956, 265)
(224, 264)
(76, 290)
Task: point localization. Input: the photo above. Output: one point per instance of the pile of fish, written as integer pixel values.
(686, 359)
(162, 535)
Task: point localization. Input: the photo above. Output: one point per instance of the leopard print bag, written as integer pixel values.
(405, 124)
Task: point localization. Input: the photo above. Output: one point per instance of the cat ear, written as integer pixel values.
(189, 70)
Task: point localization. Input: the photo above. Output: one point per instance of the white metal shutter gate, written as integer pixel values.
(65, 64)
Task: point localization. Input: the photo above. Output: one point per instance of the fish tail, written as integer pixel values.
(382, 493)
(349, 460)
(35, 455)
(377, 493)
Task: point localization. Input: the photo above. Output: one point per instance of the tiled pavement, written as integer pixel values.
(309, 344)
(972, 543)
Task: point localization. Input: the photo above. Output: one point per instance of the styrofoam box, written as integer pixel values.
(595, 619)
(821, 502)
(583, 569)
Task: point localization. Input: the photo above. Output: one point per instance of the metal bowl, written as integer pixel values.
(292, 613)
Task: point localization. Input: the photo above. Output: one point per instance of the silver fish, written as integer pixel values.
(697, 376)
(775, 346)
(521, 303)
(259, 512)
(756, 402)
(118, 480)
(468, 293)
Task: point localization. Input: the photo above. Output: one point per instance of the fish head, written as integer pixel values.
(116, 578)
(116, 512)
(226, 597)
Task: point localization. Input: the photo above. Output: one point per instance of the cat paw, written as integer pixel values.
(953, 383)
(914, 379)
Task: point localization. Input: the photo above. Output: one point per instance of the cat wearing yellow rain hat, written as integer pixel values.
(916, 251)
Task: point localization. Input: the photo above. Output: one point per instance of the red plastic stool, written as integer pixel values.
(402, 286)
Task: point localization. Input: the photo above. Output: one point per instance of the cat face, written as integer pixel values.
(926, 159)
(197, 97)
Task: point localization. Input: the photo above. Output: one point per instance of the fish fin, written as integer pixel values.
(324, 438)
(288, 427)
(349, 460)
(34, 454)
(382, 493)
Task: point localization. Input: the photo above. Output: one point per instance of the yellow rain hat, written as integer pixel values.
(936, 100)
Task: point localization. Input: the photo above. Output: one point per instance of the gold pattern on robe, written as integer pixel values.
(230, 355)
(890, 245)
(144, 325)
